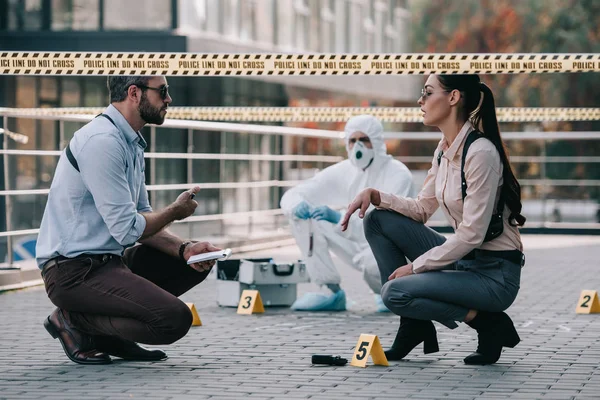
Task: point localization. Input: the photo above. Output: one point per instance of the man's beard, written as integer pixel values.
(149, 113)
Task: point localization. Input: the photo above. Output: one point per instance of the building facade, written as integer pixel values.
(224, 26)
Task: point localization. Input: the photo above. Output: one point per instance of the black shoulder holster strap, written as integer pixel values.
(496, 226)
(70, 155)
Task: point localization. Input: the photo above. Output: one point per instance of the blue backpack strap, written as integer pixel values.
(70, 155)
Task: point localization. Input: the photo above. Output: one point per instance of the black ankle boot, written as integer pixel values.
(410, 334)
(494, 330)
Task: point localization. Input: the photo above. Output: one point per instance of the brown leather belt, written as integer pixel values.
(60, 259)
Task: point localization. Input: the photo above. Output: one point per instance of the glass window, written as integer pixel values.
(25, 97)
(339, 11)
(401, 26)
(25, 15)
(368, 28)
(391, 12)
(81, 15)
(123, 15)
(70, 96)
(327, 15)
(264, 21)
(48, 90)
(390, 33)
(211, 12)
(346, 23)
(355, 30)
(95, 93)
(314, 26)
(206, 171)
(380, 9)
(248, 13)
(70, 93)
(231, 18)
(34, 172)
(301, 25)
(170, 140)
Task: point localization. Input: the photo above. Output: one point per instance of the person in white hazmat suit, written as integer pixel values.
(315, 221)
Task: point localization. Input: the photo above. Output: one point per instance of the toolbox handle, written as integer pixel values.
(284, 272)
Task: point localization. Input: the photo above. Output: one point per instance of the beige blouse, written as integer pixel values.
(442, 188)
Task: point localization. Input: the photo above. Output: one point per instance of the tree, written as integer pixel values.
(513, 26)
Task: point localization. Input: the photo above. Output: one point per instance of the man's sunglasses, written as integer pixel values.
(363, 139)
(163, 91)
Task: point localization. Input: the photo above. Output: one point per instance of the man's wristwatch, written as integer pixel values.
(182, 249)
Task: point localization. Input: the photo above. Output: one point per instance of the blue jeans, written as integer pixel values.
(485, 283)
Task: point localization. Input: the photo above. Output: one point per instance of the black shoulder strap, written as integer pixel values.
(439, 158)
(71, 158)
(108, 118)
(496, 225)
(473, 136)
(70, 155)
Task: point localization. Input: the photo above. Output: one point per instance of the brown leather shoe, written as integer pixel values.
(78, 347)
(128, 350)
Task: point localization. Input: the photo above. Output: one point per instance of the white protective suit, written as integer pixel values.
(336, 187)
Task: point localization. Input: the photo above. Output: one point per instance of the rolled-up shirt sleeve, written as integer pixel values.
(482, 176)
(143, 205)
(102, 163)
(419, 209)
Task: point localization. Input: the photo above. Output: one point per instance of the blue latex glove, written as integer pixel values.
(302, 210)
(324, 213)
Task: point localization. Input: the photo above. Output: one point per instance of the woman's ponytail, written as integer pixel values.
(484, 118)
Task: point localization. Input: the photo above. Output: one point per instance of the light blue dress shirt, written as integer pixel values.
(96, 210)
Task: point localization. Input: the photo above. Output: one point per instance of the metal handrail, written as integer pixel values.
(302, 158)
(178, 186)
(336, 114)
(274, 183)
(197, 218)
(197, 125)
(543, 135)
(190, 126)
(197, 156)
(316, 133)
(518, 159)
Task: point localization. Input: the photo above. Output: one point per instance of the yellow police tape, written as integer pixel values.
(198, 64)
(330, 114)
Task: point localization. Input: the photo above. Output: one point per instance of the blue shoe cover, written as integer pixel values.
(321, 302)
(379, 304)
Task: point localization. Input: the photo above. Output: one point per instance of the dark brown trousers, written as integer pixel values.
(133, 297)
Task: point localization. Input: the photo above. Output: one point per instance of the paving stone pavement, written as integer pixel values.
(268, 356)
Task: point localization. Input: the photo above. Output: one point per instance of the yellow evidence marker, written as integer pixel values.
(368, 345)
(196, 321)
(588, 302)
(250, 303)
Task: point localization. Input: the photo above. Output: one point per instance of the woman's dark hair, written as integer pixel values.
(483, 117)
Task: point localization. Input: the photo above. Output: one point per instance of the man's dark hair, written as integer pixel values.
(118, 86)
